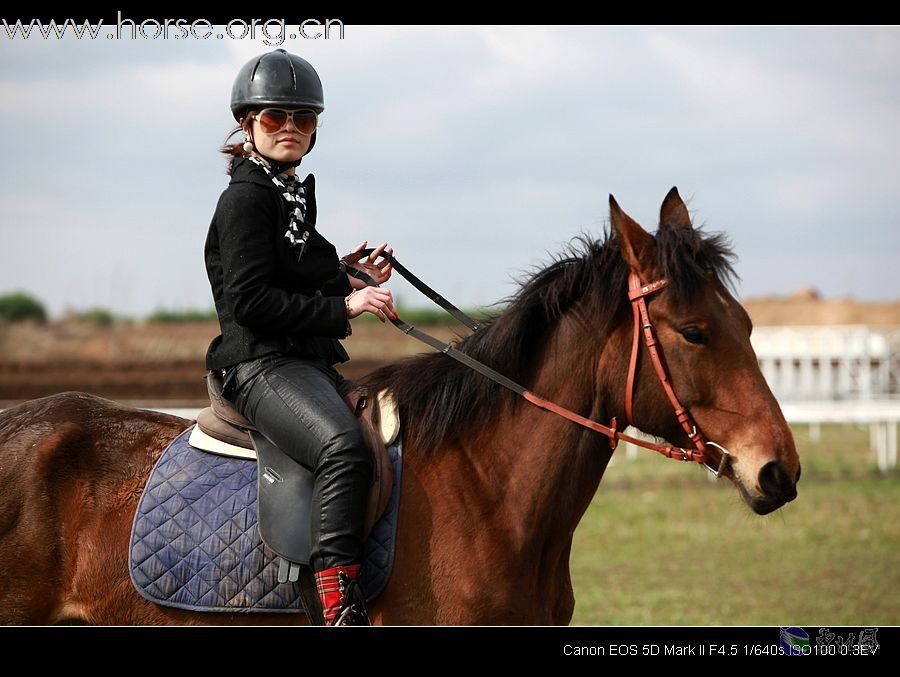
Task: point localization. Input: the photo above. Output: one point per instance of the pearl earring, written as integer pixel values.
(247, 146)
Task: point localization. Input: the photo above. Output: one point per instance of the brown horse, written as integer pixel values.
(493, 487)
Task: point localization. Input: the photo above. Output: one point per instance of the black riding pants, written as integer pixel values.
(297, 404)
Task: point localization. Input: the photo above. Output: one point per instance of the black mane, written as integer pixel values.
(445, 397)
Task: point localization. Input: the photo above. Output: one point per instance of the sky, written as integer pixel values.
(477, 152)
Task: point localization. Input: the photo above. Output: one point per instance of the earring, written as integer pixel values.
(247, 146)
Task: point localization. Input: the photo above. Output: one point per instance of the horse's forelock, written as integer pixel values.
(689, 256)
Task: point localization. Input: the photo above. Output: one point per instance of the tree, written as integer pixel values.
(18, 306)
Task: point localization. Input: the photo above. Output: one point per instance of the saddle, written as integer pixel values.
(285, 487)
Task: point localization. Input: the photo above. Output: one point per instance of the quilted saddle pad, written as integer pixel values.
(195, 543)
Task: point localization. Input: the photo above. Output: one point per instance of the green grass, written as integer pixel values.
(661, 544)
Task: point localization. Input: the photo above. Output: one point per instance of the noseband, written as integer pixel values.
(636, 294)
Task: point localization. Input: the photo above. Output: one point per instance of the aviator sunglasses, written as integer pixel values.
(272, 120)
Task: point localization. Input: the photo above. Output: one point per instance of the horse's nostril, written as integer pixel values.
(775, 482)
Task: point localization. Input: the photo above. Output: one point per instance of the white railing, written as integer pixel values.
(829, 362)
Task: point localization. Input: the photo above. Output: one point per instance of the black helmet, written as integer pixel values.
(277, 78)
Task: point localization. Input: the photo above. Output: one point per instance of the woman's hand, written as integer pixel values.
(374, 300)
(380, 271)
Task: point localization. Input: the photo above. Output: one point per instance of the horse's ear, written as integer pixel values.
(637, 245)
(673, 213)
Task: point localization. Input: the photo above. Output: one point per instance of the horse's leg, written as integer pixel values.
(34, 549)
(72, 467)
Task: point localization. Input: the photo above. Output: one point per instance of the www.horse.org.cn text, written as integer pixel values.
(272, 32)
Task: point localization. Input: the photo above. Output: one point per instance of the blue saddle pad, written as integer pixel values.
(195, 543)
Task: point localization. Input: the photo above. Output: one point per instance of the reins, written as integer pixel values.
(636, 294)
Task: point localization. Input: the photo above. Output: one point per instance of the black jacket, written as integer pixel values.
(266, 300)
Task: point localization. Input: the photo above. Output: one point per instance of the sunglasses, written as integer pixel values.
(272, 120)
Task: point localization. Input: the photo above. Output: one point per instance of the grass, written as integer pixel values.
(662, 545)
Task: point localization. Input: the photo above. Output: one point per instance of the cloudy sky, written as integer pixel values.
(476, 152)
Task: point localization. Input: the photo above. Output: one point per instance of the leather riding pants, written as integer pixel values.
(297, 403)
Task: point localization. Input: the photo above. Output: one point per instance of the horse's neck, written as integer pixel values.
(546, 468)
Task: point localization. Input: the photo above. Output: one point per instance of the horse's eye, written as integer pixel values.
(695, 335)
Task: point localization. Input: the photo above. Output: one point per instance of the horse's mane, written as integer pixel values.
(445, 397)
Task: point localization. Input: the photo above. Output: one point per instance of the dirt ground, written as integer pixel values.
(153, 364)
(149, 364)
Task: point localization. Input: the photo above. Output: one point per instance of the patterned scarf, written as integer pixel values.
(294, 194)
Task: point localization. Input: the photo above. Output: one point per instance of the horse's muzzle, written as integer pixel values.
(778, 488)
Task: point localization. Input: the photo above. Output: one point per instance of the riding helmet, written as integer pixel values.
(277, 78)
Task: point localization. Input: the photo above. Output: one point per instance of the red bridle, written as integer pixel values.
(636, 294)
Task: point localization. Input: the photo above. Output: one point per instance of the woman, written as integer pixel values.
(284, 300)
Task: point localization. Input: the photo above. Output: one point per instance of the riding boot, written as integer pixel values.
(343, 601)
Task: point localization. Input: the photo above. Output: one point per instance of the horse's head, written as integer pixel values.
(704, 337)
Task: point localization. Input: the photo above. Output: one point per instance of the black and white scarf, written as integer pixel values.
(294, 194)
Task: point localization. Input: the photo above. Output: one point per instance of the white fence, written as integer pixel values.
(829, 362)
(836, 374)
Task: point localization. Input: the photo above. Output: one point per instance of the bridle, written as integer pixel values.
(637, 293)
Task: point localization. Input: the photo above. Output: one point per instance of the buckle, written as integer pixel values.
(726, 455)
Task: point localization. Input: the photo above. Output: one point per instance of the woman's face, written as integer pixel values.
(285, 145)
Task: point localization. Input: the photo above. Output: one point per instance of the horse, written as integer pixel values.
(493, 487)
